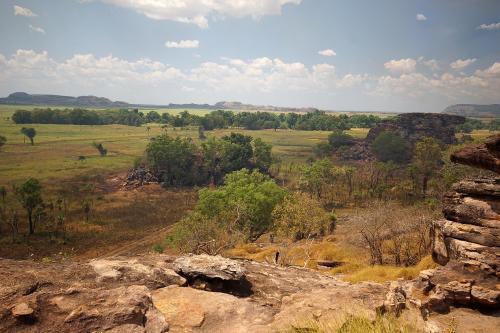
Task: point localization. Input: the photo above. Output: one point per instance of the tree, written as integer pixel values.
(427, 161)
(299, 216)
(177, 161)
(389, 146)
(315, 177)
(3, 140)
(30, 197)
(201, 133)
(102, 151)
(339, 139)
(247, 196)
(30, 133)
(262, 155)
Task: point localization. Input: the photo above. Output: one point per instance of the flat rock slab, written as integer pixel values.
(211, 267)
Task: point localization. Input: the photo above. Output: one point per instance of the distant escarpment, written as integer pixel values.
(22, 98)
(474, 110)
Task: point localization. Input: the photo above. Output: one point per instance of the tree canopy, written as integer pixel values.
(389, 146)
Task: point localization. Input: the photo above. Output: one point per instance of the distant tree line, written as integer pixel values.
(79, 117)
(317, 120)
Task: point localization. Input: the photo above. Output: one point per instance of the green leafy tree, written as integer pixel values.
(317, 176)
(339, 139)
(176, 160)
(427, 161)
(30, 133)
(389, 146)
(3, 140)
(262, 155)
(299, 216)
(29, 195)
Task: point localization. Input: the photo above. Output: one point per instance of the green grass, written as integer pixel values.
(57, 148)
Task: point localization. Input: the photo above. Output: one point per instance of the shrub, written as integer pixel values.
(389, 146)
(102, 151)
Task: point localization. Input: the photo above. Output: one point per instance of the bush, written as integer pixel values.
(339, 139)
(299, 216)
(389, 146)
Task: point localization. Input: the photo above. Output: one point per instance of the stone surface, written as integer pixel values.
(486, 156)
(415, 126)
(395, 300)
(23, 312)
(154, 274)
(208, 267)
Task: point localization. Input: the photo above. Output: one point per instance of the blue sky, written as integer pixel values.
(397, 55)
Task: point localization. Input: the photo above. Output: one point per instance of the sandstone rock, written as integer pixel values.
(23, 312)
(481, 212)
(458, 292)
(485, 296)
(415, 126)
(127, 328)
(479, 187)
(483, 156)
(212, 267)
(153, 274)
(188, 309)
(395, 300)
(471, 233)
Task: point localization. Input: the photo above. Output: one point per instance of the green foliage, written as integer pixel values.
(316, 176)
(389, 146)
(158, 248)
(427, 161)
(176, 160)
(30, 133)
(102, 151)
(494, 125)
(240, 210)
(3, 140)
(339, 139)
(262, 155)
(79, 117)
(469, 125)
(299, 216)
(29, 195)
(153, 117)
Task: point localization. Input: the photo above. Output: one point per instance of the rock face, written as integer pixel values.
(467, 240)
(415, 126)
(208, 267)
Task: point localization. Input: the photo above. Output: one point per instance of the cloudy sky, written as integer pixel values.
(395, 55)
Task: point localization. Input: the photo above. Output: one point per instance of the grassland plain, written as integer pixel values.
(57, 150)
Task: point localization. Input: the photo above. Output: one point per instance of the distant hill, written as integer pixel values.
(22, 98)
(474, 110)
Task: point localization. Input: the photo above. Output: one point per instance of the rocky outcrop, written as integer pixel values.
(141, 176)
(467, 240)
(415, 126)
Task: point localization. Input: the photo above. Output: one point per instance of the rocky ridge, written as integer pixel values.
(467, 240)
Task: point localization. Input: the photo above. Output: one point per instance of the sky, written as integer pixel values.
(356, 55)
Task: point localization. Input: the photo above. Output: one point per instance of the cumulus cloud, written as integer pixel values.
(401, 66)
(421, 17)
(327, 53)
(198, 11)
(22, 11)
(492, 26)
(183, 44)
(462, 63)
(433, 64)
(37, 29)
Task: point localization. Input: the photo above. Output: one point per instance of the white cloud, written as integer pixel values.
(462, 63)
(401, 66)
(421, 17)
(432, 64)
(198, 11)
(18, 10)
(492, 26)
(183, 44)
(327, 53)
(37, 29)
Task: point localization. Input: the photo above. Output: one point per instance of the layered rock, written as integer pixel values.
(467, 240)
(415, 126)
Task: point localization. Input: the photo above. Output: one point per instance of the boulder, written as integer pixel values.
(154, 274)
(23, 312)
(208, 267)
(395, 299)
(486, 156)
